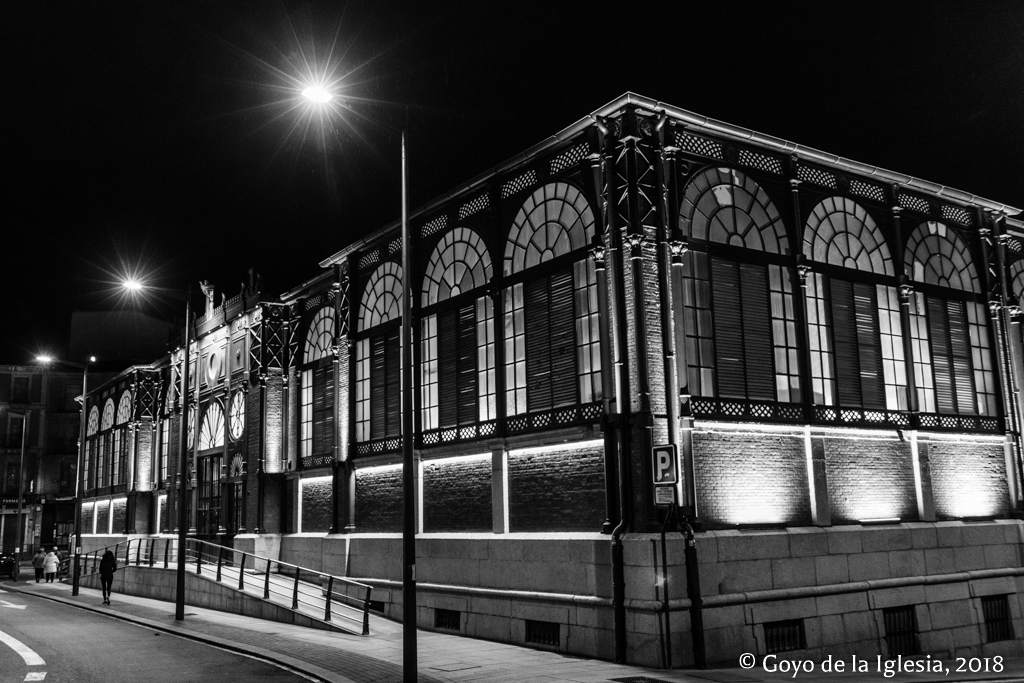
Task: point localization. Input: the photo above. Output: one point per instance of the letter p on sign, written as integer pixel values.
(665, 470)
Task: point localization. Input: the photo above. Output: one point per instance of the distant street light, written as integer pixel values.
(24, 417)
(409, 645)
(76, 551)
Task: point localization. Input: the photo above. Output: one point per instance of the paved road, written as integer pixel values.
(43, 640)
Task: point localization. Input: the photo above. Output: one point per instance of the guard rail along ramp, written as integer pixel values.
(342, 602)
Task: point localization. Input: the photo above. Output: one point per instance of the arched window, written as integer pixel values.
(457, 385)
(856, 341)
(119, 456)
(104, 456)
(552, 354)
(952, 358)
(378, 356)
(317, 381)
(91, 430)
(211, 434)
(738, 315)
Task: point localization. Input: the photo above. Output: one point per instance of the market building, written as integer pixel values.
(831, 351)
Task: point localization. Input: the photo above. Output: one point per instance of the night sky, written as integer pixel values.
(168, 139)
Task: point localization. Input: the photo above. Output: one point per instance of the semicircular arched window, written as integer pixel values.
(107, 421)
(738, 317)
(119, 440)
(316, 409)
(211, 434)
(92, 429)
(952, 356)
(552, 347)
(853, 320)
(105, 445)
(457, 385)
(378, 356)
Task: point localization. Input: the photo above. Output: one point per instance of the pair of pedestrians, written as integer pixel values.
(46, 563)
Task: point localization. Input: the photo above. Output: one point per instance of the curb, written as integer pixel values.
(285, 661)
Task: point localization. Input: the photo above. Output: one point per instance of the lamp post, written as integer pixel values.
(321, 96)
(24, 417)
(76, 571)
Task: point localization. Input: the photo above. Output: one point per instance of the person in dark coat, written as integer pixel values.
(108, 565)
(37, 564)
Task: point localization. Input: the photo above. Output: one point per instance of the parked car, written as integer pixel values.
(8, 565)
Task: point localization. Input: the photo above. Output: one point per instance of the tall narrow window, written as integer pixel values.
(91, 429)
(457, 348)
(120, 460)
(856, 357)
(550, 314)
(378, 356)
(317, 380)
(952, 357)
(738, 310)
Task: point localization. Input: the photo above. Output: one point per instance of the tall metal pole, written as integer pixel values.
(76, 571)
(179, 600)
(21, 493)
(409, 667)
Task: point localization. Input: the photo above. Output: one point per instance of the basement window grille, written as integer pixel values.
(543, 632)
(783, 636)
(901, 631)
(996, 609)
(449, 619)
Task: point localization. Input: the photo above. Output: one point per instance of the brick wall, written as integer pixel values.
(870, 478)
(457, 495)
(745, 478)
(316, 505)
(88, 512)
(120, 513)
(102, 516)
(379, 500)
(144, 455)
(557, 490)
(968, 479)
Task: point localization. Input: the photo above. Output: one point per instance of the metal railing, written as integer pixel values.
(341, 597)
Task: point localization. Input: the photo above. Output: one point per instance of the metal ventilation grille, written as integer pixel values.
(543, 632)
(783, 636)
(901, 630)
(998, 626)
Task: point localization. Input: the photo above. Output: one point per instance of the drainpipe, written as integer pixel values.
(623, 410)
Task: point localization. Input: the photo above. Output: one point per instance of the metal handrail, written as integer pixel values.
(354, 609)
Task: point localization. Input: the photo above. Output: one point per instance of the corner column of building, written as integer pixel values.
(499, 489)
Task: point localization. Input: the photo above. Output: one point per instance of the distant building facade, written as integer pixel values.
(832, 349)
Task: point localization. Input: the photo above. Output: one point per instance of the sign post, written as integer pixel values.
(665, 472)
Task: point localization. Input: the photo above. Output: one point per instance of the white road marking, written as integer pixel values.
(27, 653)
(11, 604)
(36, 676)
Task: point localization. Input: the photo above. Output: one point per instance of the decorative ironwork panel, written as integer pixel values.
(956, 214)
(698, 145)
(817, 176)
(313, 302)
(147, 395)
(867, 190)
(518, 184)
(587, 413)
(369, 259)
(569, 158)
(763, 162)
(919, 204)
(475, 205)
(389, 445)
(760, 411)
(435, 226)
(311, 461)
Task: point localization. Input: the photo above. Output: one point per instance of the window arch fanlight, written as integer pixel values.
(937, 255)
(555, 220)
(738, 315)
(107, 421)
(94, 422)
(124, 408)
(953, 365)
(460, 263)
(378, 357)
(849, 319)
(457, 344)
(840, 232)
(316, 410)
(320, 336)
(211, 434)
(552, 347)
(724, 205)
(382, 297)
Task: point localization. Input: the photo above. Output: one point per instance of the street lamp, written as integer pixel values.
(133, 286)
(24, 417)
(321, 96)
(79, 474)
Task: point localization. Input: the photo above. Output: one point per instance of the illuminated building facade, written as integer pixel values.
(833, 349)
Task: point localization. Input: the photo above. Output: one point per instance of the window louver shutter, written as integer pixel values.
(378, 403)
(869, 350)
(942, 363)
(757, 332)
(538, 353)
(393, 384)
(466, 366)
(844, 335)
(323, 410)
(725, 297)
(960, 346)
(447, 368)
(563, 341)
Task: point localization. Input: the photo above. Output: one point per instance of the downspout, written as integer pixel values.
(622, 413)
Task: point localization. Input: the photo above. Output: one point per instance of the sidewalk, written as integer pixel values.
(340, 658)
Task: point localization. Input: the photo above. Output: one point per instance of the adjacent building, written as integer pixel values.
(829, 353)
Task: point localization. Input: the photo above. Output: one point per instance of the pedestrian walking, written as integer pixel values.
(50, 564)
(37, 563)
(108, 565)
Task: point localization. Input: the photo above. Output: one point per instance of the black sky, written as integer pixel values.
(156, 136)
